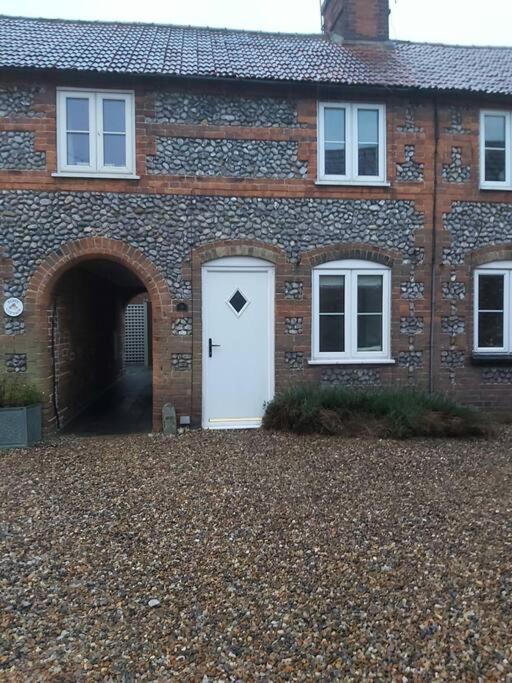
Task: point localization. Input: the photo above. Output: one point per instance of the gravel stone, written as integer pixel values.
(13, 326)
(293, 325)
(17, 152)
(474, 225)
(410, 359)
(457, 120)
(293, 290)
(174, 106)
(411, 325)
(181, 362)
(452, 359)
(454, 290)
(497, 376)
(456, 172)
(410, 171)
(409, 124)
(18, 101)
(274, 558)
(166, 227)
(294, 360)
(412, 290)
(226, 158)
(182, 327)
(351, 377)
(453, 325)
(16, 362)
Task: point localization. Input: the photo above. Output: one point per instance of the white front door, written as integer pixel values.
(238, 342)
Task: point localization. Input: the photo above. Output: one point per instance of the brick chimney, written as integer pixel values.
(356, 19)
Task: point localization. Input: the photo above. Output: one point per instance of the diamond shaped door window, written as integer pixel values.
(238, 302)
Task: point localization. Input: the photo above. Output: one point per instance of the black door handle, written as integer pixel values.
(211, 346)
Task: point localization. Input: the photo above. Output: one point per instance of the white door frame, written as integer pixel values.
(239, 264)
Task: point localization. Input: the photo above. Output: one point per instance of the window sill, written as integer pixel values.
(104, 176)
(495, 188)
(503, 358)
(354, 183)
(353, 361)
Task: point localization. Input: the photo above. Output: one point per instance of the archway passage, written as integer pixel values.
(39, 307)
(99, 386)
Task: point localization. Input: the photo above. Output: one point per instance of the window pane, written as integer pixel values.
(495, 131)
(77, 113)
(495, 165)
(332, 333)
(368, 126)
(114, 119)
(368, 160)
(368, 142)
(332, 293)
(334, 125)
(78, 149)
(369, 293)
(490, 330)
(490, 292)
(114, 150)
(335, 163)
(369, 332)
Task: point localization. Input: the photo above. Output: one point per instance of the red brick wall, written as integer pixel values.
(357, 19)
(184, 388)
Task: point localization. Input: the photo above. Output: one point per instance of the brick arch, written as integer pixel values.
(39, 297)
(224, 248)
(338, 252)
(489, 253)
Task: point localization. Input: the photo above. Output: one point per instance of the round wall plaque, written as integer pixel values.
(13, 307)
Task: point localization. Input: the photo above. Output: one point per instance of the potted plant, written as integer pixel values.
(20, 413)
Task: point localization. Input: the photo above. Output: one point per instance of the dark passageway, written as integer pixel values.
(94, 391)
(125, 408)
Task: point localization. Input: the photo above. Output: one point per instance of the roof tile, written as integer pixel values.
(150, 49)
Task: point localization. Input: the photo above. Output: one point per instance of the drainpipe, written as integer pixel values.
(433, 273)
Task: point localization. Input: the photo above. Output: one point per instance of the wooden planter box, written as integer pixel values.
(20, 427)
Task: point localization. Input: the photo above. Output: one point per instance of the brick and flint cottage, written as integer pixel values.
(330, 208)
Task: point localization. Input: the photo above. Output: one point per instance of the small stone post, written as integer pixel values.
(169, 419)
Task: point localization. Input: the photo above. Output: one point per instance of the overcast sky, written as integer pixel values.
(476, 22)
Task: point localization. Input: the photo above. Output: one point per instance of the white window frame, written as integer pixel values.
(96, 167)
(494, 184)
(495, 268)
(351, 269)
(351, 176)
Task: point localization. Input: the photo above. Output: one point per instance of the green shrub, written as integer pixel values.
(15, 392)
(395, 413)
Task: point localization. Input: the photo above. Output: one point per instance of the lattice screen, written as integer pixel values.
(135, 335)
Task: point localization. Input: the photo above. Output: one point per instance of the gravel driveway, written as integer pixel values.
(268, 557)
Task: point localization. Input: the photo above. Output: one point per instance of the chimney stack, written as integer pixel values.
(356, 19)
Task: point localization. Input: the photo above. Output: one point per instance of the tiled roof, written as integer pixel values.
(151, 49)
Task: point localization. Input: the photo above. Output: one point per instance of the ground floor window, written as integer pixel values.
(493, 299)
(351, 311)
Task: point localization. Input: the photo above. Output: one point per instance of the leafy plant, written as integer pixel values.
(15, 392)
(396, 413)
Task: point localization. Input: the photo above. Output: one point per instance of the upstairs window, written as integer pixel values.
(495, 158)
(493, 301)
(351, 311)
(352, 143)
(95, 132)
